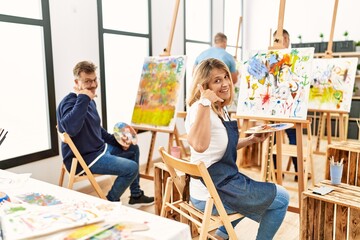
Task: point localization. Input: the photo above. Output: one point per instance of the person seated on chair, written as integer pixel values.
(290, 132)
(77, 115)
(214, 139)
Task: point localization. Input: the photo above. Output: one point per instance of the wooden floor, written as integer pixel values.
(247, 228)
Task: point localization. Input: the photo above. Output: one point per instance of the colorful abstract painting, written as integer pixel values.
(276, 84)
(25, 221)
(158, 92)
(39, 199)
(332, 83)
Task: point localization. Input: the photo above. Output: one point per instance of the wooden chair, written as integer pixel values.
(204, 221)
(78, 159)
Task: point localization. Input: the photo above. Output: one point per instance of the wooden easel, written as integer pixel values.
(267, 165)
(153, 131)
(278, 44)
(321, 127)
(328, 54)
(237, 38)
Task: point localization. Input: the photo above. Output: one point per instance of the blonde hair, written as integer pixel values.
(202, 76)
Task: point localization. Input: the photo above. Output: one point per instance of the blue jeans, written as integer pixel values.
(124, 165)
(270, 221)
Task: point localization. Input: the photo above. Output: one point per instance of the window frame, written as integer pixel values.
(103, 31)
(50, 85)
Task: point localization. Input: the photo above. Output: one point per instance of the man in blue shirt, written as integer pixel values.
(77, 115)
(218, 52)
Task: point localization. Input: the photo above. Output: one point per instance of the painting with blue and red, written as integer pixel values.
(275, 84)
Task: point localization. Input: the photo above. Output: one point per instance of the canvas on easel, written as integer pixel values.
(158, 93)
(275, 84)
(332, 82)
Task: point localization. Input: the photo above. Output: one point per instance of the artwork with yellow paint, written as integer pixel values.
(158, 92)
(332, 83)
(276, 84)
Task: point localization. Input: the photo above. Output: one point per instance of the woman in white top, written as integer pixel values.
(214, 139)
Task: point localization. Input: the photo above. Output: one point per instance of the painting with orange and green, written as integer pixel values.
(158, 92)
(332, 83)
(275, 84)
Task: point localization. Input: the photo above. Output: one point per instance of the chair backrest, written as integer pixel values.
(78, 159)
(197, 170)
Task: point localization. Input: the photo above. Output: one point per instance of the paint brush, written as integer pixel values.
(341, 162)
(332, 160)
(3, 138)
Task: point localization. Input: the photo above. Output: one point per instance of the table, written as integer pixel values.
(159, 228)
(335, 214)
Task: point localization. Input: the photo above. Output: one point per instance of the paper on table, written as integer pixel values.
(23, 221)
(322, 190)
(11, 181)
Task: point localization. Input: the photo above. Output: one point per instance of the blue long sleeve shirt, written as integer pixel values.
(77, 116)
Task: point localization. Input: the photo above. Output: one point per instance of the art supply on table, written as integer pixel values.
(3, 137)
(322, 190)
(336, 169)
(4, 197)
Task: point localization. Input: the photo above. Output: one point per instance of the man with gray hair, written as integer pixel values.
(218, 52)
(77, 115)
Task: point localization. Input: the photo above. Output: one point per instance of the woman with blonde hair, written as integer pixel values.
(214, 139)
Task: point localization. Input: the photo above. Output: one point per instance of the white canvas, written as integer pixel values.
(158, 93)
(275, 84)
(332, 83)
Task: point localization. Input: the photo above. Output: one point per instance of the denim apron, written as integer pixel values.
(237, 191)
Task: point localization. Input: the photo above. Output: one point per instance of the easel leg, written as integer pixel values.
(150, 155)
(178, 142)
(328, 127)
(300, 162)
(241, 152)
(341, 127)
(279, 141)
(321, 133)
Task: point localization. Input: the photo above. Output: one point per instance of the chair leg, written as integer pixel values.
(167, 194)
(97, 187)
(62, 173)
(206, 221)
(72, 173)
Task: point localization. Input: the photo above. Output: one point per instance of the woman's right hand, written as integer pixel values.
(260, 137)
(209, 94)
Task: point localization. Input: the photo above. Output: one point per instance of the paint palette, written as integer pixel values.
(124, 133)
(265, 128)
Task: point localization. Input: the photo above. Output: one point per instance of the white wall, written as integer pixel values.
(74, 29)
(307, 18)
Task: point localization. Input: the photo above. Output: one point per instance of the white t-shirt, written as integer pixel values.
(213, 154)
